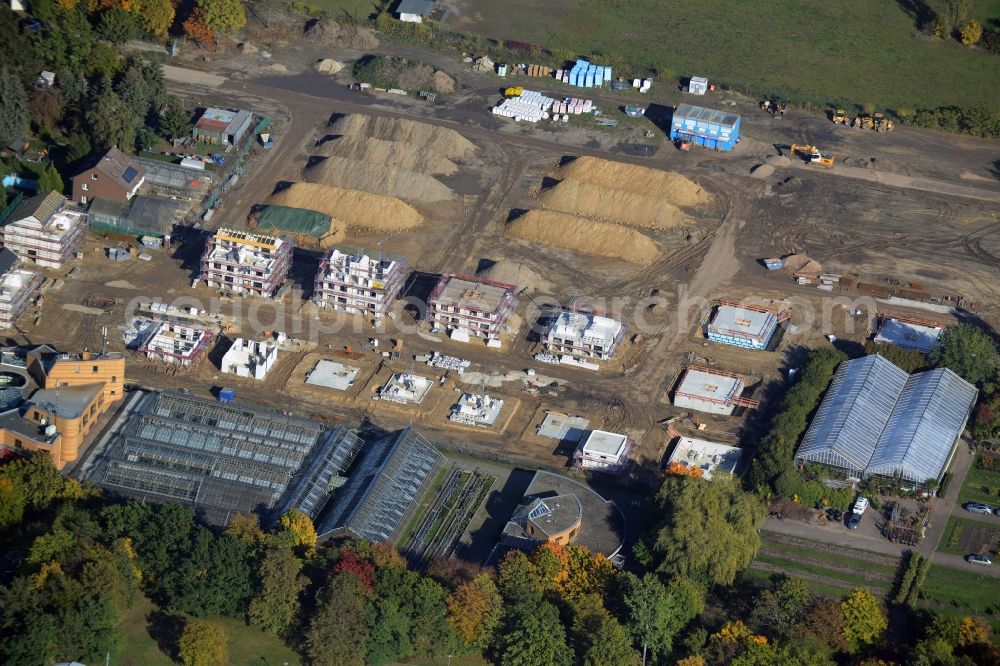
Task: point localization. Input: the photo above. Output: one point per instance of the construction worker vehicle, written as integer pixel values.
(883, 124)
(864, 121)
(839, 117)
(813, 153)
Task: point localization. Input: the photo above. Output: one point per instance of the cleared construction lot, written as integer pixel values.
(653, 241)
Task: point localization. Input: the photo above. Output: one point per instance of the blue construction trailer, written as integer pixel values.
(709, 128)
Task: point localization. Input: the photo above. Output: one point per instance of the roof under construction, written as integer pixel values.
(878, 421)
(220, 458)
(472, 293)
(383, 488)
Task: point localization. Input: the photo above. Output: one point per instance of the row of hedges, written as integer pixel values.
(774, 468)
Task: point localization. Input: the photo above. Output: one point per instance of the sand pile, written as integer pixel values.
(418, 76)
(351, 208)
(779, 160)
(671, 187)
(340, 36)
(440, 140)
(610, 204)
(584, 236)
(379, 179)
(407, 156)
(443, 83)
(762, 171)
(802, 263)
(513, 272)
(328, 66)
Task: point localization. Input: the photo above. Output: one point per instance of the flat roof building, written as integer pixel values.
(710, 390)
(476, 409)
(19, 287)
(718, 130)
(220, 458)
(250, 358)
(246, 264)
(473, 305)
(876, 420)
(222, 126)
(565, 428)
(909, 333)
(705, 457)
(745, 326)
(383, 489)
(357, 283)
(557, 509)
(583, 334)
(43, 231)
(603, 451)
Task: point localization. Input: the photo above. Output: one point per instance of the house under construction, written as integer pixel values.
(19, 287)
(357, 283)
(477, 409)
(711, 390)
(584, 334)
(176, 343)
(742, 325)
(221, 458)
(245, 263)
(471, 305)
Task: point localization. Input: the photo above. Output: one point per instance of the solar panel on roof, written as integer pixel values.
(130, 174)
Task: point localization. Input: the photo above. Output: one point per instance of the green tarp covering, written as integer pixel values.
(294, 221)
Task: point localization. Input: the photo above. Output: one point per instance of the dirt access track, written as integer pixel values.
(850, 224)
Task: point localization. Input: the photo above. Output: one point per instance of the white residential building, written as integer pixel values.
(710, 390)
(583, 334)
(706, 457)
(18, 288)
(250, 358)
(176, 343)
(41, 230)
(358, 283)
(246, 263)
(476, 409)
(603, 451)
(405, 388)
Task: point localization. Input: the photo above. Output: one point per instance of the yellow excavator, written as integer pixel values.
(839, 117)
(813, 153)
(864, 121)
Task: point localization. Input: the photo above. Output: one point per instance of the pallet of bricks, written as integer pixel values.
(539, 71)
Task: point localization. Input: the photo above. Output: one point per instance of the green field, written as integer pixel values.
(958, 593)
(972, 489)
(849, 52)
(358, 9)
(140, 647)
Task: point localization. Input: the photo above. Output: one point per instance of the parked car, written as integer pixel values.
(979, 559)
(853, 520)
(976, 507)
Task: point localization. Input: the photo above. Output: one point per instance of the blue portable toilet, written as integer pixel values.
(227, 395)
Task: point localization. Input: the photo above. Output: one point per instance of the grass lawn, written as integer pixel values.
(954, 592)
(821, 589)
(847, 53)
(793, 565)
(832, 558)
(247, 645)
(972, 489)
(358, 9)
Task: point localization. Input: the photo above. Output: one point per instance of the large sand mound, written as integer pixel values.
(380, 179)
(340, 36)
(440, 140)
(512, 272)
(351, 208)
(396, 154)
(613, 205)
(584, 236)
(671, 187)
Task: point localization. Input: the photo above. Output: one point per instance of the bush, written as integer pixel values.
(908, 577)
(977, 121)
(956, 534)
(988, 461)
(909, 360)
(943, 487)
(991, 41)
(971, 33)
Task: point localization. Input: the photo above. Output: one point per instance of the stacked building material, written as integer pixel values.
(437, 360)
(586, 75)
(529, 105)
(573, 105)
(538, 71)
